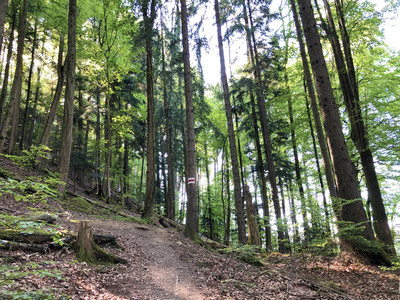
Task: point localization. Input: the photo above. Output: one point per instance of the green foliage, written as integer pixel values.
(394, 267)
(28, 190)
(30, 157)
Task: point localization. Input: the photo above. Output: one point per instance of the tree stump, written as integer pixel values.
(87, 250)
(84, 242)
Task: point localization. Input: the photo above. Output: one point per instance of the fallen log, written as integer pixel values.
(12, 246)
(104, 239)
(213, 244)
(44, 218)
(40, 238)
(167, 223)
(32, 238)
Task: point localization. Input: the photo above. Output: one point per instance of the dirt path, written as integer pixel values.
(160, 264)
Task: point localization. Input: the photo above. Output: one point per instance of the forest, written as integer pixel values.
(294, 149)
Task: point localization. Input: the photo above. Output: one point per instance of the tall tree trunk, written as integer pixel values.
(209, 204)
(349, 85)
(151, 127)
(125, 173)
(98, 138)
(352, 210)
(299, 179)
(192, 213)
(44, 140)
(106, 185)
(267, 140)
(66, 136)
(29, 90)
(15, 96)
(33, 118)
(4, 89)
(293, 213)
(231, 135)
(227, 235)
(317, 120)
(170, 197)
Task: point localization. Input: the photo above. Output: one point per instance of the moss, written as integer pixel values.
(78, 204)
(191, 234)
(96, 256)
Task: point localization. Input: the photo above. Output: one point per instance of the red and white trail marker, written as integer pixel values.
(191, 180)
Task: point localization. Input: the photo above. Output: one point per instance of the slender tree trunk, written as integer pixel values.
(299, 180)
(192, 213)
(106, 185)
(231, 135)
(126, 172)
(141, 178)
(293, 214)
(29, 89)
(57, 95)
(209, 204)
(267, 141)
(228, 200)
(170, 197)
(66, 136)
(261, 173)
(4, 89)
(148, 212)
(36, 101)
(98, 138)
(346, 181)
(321, 181)
(15, 96)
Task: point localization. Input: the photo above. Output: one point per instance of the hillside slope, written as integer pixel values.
(162, 264)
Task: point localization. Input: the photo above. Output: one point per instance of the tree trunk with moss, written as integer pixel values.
(87, 250)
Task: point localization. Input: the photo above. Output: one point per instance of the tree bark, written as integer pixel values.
(66, 136)
(192, 212)
(151, 131)
(231, 135)
(15, 96)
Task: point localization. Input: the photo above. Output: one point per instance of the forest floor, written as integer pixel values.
(162, 264)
